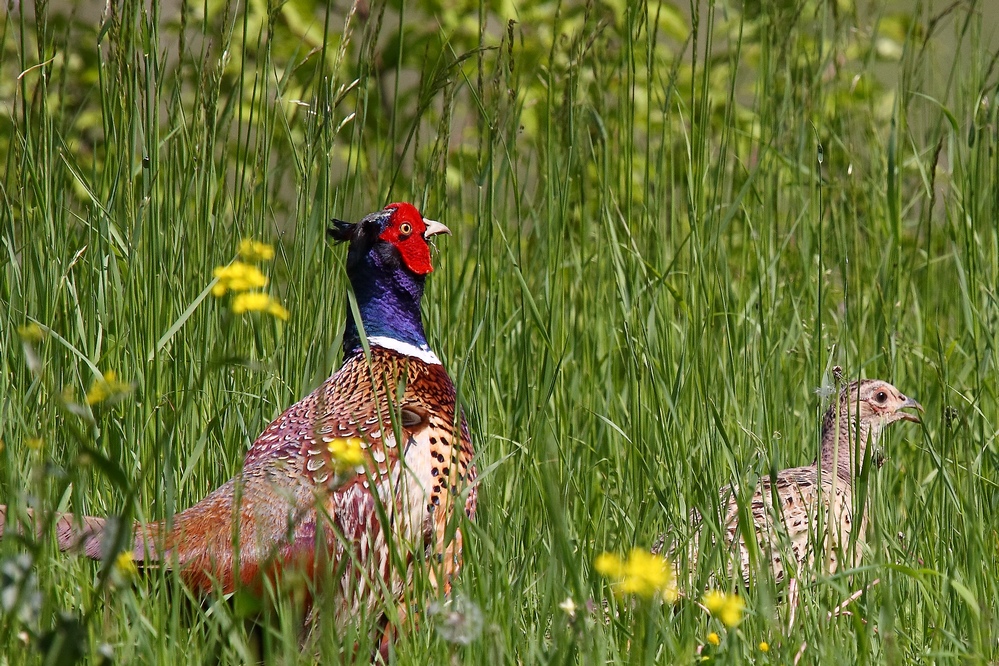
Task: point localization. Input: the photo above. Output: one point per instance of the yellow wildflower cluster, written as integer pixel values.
(642, 574)
(252, 250)
(258, 302)
(106, 387)
(726, 607)
(714, 639)
(347, 452)
(241, 278)
(237, 276)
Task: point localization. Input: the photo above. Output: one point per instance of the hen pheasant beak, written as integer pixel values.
(434, 227)
(909, 402)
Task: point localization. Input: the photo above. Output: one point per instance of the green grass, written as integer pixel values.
(669, 225)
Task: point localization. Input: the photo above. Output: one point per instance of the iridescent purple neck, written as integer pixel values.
(388, 298)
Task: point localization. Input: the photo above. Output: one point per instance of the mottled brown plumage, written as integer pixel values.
(810, 505)
(293, 506)
(285, 483)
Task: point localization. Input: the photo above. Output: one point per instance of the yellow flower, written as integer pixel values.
(764, 647)
(726, 607)
(347, 452)
(124, 564)
(106, 387)
(714, 639)
(237, 276)
(277, 310)
(258, 302)
(252, 250)
(609, 565)
(642, 574)
(30, 332)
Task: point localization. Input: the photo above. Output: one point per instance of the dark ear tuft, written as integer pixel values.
(341, 231)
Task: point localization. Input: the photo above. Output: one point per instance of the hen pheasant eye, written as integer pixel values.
(405, 228)
(881, 396)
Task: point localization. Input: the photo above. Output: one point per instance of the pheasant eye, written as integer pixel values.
(405, 229)
(881, 397)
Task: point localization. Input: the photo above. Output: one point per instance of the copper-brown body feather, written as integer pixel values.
(294, 505)
(290, 494)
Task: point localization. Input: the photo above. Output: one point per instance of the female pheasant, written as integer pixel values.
(804, 507)
(293, 505)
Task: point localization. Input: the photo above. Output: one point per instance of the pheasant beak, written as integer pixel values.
(909, 402)
(433, 228)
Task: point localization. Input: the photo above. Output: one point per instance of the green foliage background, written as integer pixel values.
(670, 223)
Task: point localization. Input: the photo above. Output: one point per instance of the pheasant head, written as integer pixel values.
(864, 409)
(388, 260)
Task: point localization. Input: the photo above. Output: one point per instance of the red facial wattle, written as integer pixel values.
(405, 230)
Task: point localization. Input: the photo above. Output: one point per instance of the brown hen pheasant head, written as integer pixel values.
(864, 408)
(388, 259)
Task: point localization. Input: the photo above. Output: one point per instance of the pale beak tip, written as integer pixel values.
(434, 228)
(909, 402)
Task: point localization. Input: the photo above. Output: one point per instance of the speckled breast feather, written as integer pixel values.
(289, 475)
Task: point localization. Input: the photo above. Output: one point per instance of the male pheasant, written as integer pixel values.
(293, 506)
(788, 514)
